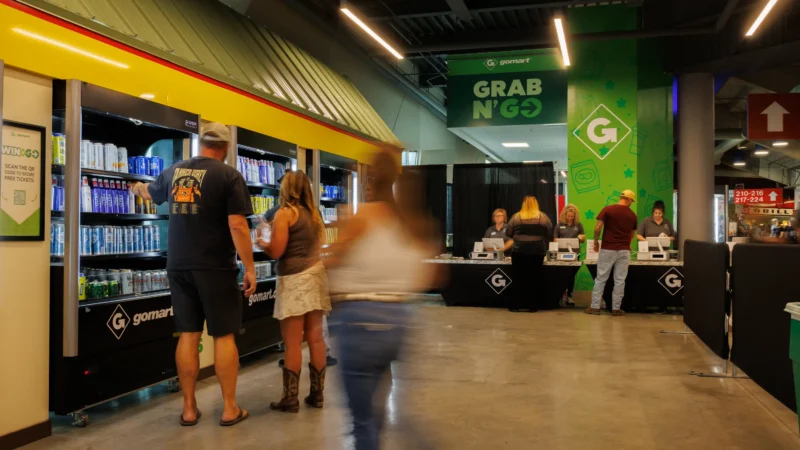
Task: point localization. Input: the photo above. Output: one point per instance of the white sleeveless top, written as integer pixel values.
(381, 261)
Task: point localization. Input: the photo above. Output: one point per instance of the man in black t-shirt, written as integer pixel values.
(208, 208)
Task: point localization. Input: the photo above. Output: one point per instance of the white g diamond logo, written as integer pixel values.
(672, 281)
(118, 322)
(490, 63)
(498, 281)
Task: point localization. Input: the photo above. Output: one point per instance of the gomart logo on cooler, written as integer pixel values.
(512, 99)
(120, 320)
(261, 297)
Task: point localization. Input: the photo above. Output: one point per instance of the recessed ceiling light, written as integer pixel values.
(148, 96)
(761, 152)
(564, 173)
(780, 143)
(515, 145)
(739, 163)
(532, 162)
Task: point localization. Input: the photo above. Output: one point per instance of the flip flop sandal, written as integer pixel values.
(239, 418)
(185, 423)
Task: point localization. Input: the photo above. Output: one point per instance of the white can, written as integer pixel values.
(122, 160)
(111, 164)
(87, 154)
(99, 157)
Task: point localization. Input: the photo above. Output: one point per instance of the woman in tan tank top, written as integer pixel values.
(302, 292)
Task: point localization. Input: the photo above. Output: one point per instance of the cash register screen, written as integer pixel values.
(652, 243)
(492, 244)
(565, 244)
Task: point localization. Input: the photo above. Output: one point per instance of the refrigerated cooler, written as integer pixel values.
(262, 160)
(111, 327)
(335, 182)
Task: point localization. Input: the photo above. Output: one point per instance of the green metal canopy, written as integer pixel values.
(207, 37)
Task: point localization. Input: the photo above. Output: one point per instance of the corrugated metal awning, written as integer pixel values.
(207, 37)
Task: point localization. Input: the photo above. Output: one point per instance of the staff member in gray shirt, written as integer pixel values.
(569, 227)
(498, 230)
(656, 225)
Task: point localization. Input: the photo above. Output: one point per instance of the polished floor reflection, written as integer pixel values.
(486, 379)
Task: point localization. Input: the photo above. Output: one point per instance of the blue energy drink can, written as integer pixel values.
(52, 238)
(108, 240)
(141, 165)
(98, 241)
(118, 240)
(148, 161)
(160, 165)
(60, 239)
(154, 166)
(86, 240)
(148, 238)
(132, 164)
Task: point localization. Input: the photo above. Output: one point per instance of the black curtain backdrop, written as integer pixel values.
(434, 185)
(764, 280)
(705, 293)
(478, 189)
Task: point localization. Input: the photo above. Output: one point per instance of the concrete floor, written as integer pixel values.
(486, 379)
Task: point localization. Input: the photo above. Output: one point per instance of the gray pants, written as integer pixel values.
(618, 260)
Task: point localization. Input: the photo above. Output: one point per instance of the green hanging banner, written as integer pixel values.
(512, 88)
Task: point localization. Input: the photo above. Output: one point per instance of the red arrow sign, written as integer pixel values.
(758, 196)
(773, 116)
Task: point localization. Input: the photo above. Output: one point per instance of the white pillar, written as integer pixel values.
(696, 157)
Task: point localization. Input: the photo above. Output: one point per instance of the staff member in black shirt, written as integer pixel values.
(498, 230)
(531, 230)
(656, 225)
(570, 227)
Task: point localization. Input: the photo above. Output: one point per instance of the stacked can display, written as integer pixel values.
(115, 240)
(331, 235)
(260, 171)
(263, 270)
(109, 157)
(332, 192)
(112, 197)
(103, 283)
(262, 203)
(329, 214)
(57, 193)
(57, 239)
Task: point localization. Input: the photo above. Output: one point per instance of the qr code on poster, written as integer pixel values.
(19, 198)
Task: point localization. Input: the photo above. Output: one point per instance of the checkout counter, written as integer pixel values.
(655, 278)
(487, 278)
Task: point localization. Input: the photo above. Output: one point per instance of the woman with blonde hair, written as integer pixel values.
(302, 289)
(531, 231)
(569, 227)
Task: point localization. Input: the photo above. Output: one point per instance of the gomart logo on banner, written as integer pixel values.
(602, 131)
(120, 320)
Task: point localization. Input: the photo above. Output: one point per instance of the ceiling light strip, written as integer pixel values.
(373, 34)
(761, 17)
(60, 44)
(562, 41)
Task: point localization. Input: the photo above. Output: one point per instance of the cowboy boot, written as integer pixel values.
(291, 388)
(317, 377)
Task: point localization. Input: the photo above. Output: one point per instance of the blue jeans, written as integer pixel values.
(618, 260)
(369, 336)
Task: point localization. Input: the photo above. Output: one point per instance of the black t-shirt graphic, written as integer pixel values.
(202, 193)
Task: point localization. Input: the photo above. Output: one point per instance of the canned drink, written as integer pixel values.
(129, 245)
(52, 239)
(99, 156)
(86, 240)
(166, 280)
(110, 152)
(86, 154)
(153, 166)
(81, 287)
(160, 165)
(113, 275)
(91, 290)
(118, 241)
(156, 239)
(60, 239)
(137, 239)
(137, 282)
(103, 289)
(148, 161)
(98, 240)
(141, 165)
(149, 239)
(126, 281)
(122, 159)
(58, 198)
(108, 240)
(131, 164)
(113, 288)
(147, 281)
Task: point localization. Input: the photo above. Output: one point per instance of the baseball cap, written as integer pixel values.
(215, 132)
(627, 193)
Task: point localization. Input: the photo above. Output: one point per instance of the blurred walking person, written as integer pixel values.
(302, 292)
(378, 252)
